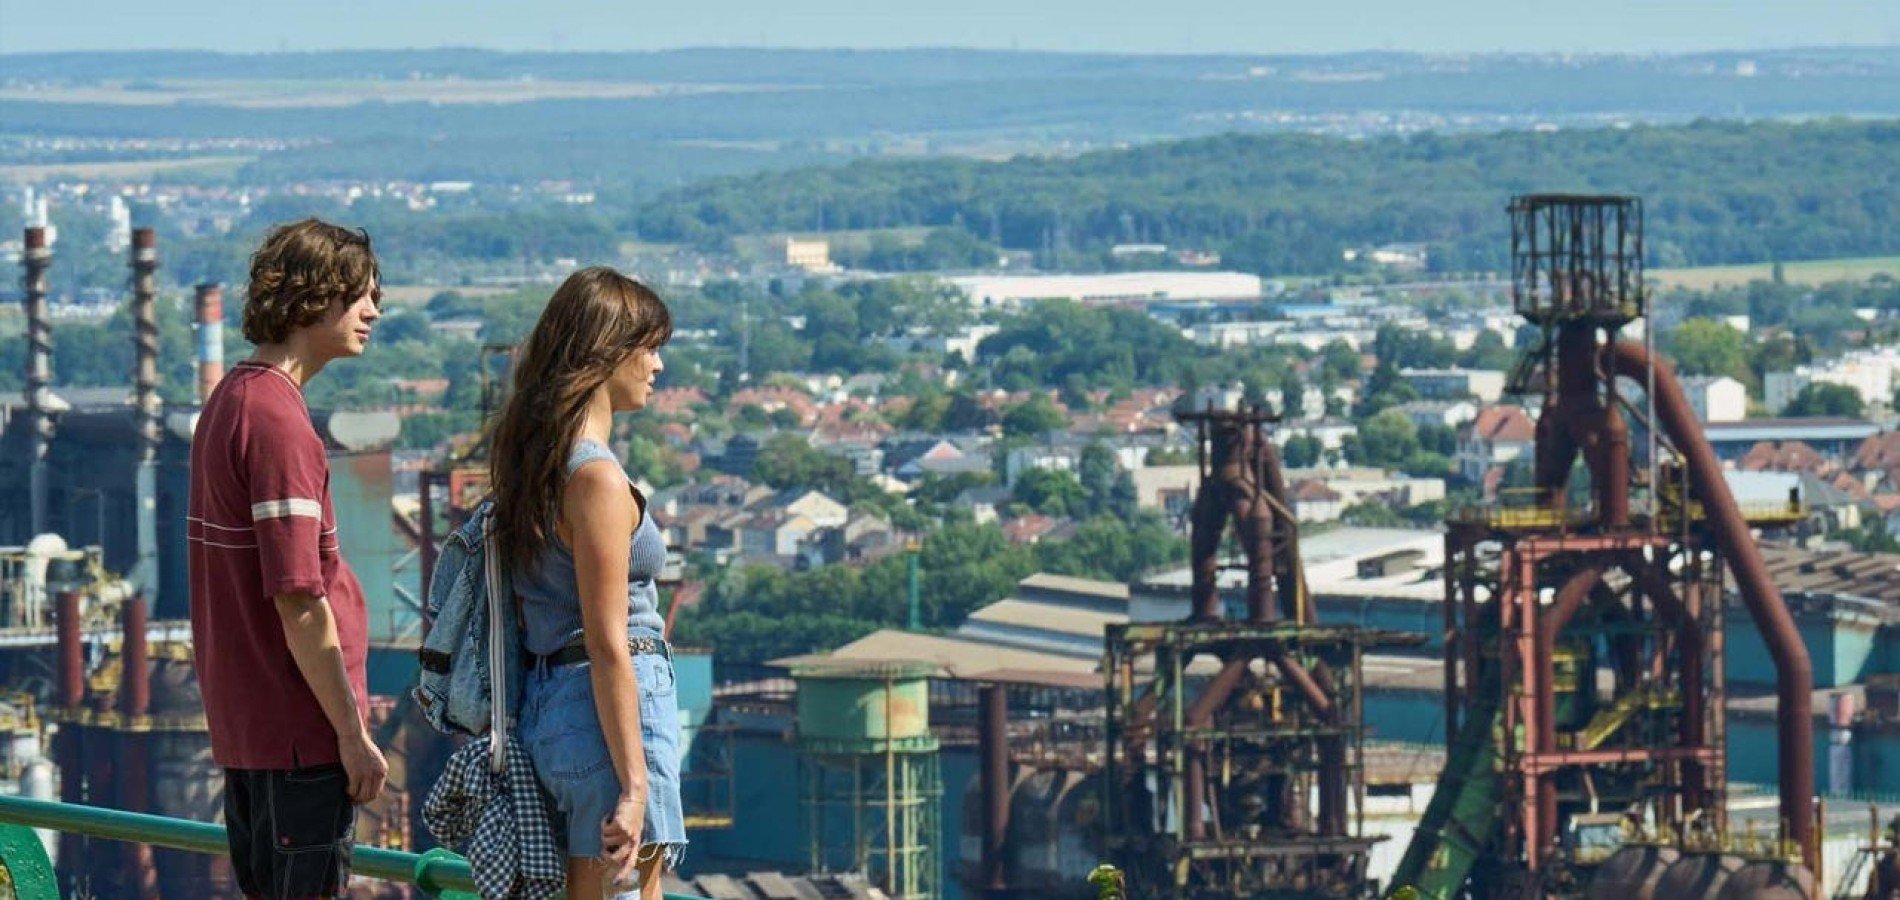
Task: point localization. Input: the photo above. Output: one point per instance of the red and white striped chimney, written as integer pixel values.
(209, 321)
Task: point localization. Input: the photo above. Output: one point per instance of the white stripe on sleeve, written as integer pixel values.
(294, 506)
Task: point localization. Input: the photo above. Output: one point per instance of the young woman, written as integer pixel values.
(599, 715)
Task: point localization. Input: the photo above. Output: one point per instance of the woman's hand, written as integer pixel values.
(620, 834)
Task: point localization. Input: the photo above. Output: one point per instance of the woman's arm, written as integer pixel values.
(600, 514)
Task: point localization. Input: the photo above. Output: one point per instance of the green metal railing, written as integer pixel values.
(438, 873)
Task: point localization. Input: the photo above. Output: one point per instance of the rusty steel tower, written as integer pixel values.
(1248, 783)
(1583, 617)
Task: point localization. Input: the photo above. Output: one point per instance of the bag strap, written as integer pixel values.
(497, 650)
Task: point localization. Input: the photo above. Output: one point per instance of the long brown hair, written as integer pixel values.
(592, 323)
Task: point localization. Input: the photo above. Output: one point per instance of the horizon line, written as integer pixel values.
(940, 48)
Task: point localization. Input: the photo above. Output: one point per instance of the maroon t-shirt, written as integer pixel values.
(261, 525)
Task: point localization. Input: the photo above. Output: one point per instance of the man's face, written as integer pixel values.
(345, 329)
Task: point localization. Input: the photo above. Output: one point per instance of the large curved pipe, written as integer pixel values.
(1569, 599)
(1794, 673)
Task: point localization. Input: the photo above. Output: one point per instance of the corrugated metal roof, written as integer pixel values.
(1065, 584)
(954, 657)
(1053, 617)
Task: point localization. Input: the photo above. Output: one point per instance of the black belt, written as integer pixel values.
(577, 652)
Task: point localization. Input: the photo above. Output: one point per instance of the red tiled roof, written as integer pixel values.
(1313, 490)
(1504, 424)
(675, 401)
(1787, 456)
(1029, 528)
(1882, 451)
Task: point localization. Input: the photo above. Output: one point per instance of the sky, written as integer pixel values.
(1120, 26)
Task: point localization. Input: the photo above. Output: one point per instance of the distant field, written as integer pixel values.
(1816, 271)
(763, 246)
(122, 170)
(309, 94)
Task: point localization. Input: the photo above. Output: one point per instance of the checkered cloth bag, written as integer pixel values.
(499, 821)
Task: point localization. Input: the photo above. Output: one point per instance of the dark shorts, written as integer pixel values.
(291, 831)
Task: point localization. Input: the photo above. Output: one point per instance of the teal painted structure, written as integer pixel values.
(1845, 644)
(769, 830)
(1415, 717)
(692, 672)
(1403, 616)
(360, 488)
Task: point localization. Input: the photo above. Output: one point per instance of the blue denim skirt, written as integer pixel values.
(561, 728)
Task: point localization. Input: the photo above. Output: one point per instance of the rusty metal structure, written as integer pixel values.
(1583, 662)
(1248, 783)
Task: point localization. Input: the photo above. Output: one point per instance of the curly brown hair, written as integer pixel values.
(300, 270)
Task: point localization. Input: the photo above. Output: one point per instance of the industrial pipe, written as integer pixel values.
(1201, 713)
(68, 746)
(135, 764)
(1794, 673)
(145, 320)
(993, 781)
(72, 659)
(148, 406)
(1289, 573)
(37, 257)
(135, 675)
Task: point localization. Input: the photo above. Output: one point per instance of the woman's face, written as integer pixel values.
(632, 383)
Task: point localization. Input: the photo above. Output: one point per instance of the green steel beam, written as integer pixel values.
(438, 872)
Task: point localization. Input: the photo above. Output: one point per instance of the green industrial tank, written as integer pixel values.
(855, 707)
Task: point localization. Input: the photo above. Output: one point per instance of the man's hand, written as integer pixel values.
(365, 766)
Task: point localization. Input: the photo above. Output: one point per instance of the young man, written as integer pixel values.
(277, 617)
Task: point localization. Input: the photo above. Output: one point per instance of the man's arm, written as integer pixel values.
(310, 632)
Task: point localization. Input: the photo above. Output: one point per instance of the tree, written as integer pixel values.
(1338, 361)
(1052, 492)
(1823, 399)
(1709, 347)
(1372, 514)
(1170, 456)
(1489, 352)
(1035, 416)
(1292, 395)
(1302, 451)
(1096, 470)
(1385, 388)
(1387, 439)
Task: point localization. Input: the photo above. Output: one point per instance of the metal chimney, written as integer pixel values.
(209, 316)
(148, 409)
(38, 257)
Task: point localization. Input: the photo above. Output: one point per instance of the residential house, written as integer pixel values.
(1441, 413)
(1359, 485)
(1036, 527)
(1330, 431)
(820, 510)
(910, 458)
(1499, 435)
(985, 503)
(1716, 398)
(1169, 489)
(774, 399)
(773, 535)
(863, 539)
(1450, 384)
(1314, 501)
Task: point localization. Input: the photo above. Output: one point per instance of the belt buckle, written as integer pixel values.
(644, 644)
